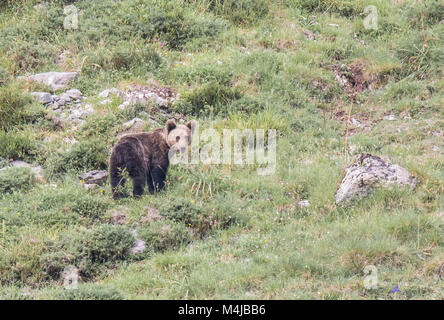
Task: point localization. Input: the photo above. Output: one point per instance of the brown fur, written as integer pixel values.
(145, 157)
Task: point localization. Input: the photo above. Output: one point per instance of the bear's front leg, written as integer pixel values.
(138, 186)
(158, 175)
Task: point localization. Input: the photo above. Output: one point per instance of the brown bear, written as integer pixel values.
(145, 157)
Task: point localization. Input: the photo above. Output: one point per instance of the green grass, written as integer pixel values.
(225, 231)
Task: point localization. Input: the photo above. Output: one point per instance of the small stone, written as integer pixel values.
(389, 117)
(90, 186)
(66, 97)
(74, 93)
(303, 203)
(60, 103)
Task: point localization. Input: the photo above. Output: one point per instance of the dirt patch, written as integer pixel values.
(152, 214)
(353, 77)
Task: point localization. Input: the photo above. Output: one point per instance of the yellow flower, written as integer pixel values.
(192, 201)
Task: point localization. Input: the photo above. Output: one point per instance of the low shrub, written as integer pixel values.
(13, 179)
(240, 11)
(85, 155)
(91, 251)
(163, 235)
(16, 107)
(211, 98)
(17, 145)
(90, 292)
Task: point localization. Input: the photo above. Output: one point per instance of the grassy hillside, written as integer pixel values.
(308, 68)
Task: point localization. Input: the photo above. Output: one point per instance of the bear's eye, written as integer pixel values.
(177, 138)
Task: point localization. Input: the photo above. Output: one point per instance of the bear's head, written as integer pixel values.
(178, 135)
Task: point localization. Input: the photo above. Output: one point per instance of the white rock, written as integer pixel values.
(303, 203)
(369, 172)
(389, 117)
(139, 247)
(56, 80)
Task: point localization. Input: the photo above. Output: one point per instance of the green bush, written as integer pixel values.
(90, 292)
(240, 11)
(13, 179)
(176, 27)
(90, 206)
(4, 76)
(91, 251)
(98, 125)
(163, 235)
(83, 156)
(122, 57)
(17, 146)
(209, 98)
(16, 107)
(346, 8)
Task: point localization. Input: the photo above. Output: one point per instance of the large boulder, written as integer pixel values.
(133, 126)
(369, 172)
(42, 97)
(94, 177)
(56, 80)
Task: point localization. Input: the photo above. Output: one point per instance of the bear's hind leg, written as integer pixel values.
(117, 182)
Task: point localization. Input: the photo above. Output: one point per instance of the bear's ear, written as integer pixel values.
(170, 125)
(192, 125)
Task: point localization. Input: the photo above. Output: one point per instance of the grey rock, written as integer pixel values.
(134, 125)
(74, 94)
(107, 92)
(90, 186)
(80, 112)
(60, 103)
(42, 97)
(94, 177)
(66, 97)
(369, 172)
(56, 80)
